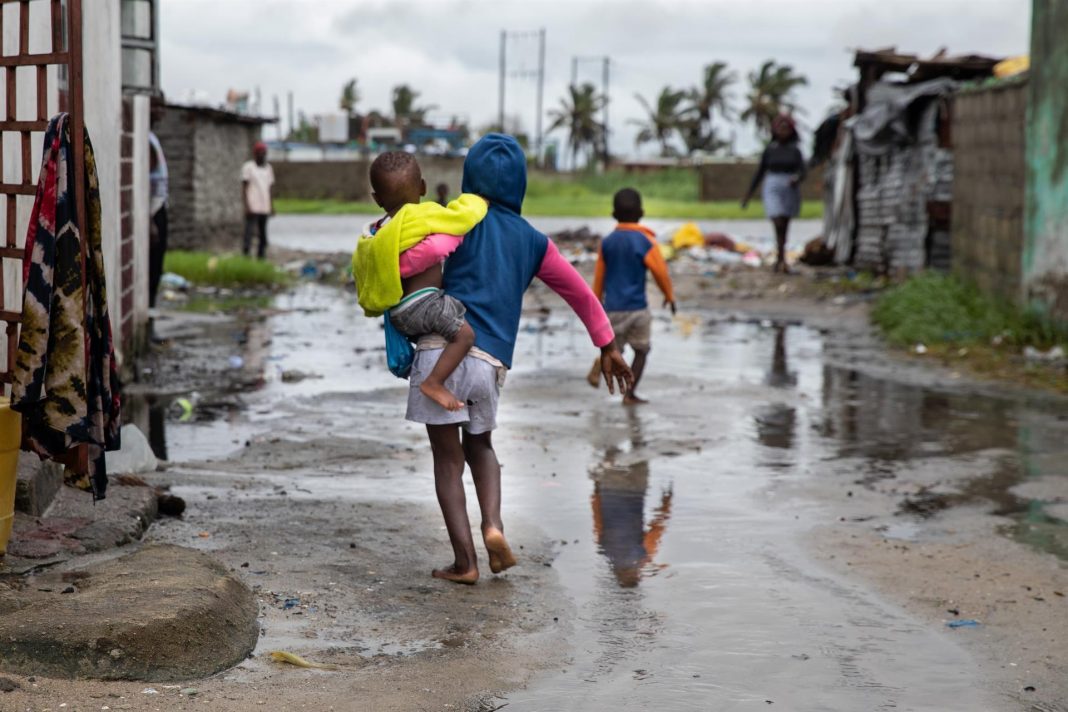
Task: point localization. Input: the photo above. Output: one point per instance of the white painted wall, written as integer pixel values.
(102, 91)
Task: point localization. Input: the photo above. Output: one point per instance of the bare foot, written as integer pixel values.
(500, 554)
(594, 376)
(441, 395)
(631, 399)
(468, 578)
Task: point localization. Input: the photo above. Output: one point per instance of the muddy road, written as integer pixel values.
(781, 527)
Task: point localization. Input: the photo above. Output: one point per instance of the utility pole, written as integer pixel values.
(541, 94)
(606, 63)
(289, 101)
(500, 89)
(604, 94)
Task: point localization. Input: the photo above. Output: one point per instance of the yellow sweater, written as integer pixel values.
(375, 263)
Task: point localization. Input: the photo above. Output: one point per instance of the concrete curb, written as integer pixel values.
(161, 614)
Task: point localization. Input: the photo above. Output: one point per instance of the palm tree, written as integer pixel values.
(771, 93)
(578, 114)
(709, 97)
(405, 112)
(660, 123)
(350, 96)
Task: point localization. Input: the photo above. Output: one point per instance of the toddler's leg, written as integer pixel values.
(486, 471)
(448, 481)
(434, 385)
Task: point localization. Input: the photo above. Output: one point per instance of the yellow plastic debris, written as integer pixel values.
(281, 656)
(689, 235)
(666, 250)
(1012, 66)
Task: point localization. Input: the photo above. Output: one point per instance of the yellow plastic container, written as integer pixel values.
(10, 435)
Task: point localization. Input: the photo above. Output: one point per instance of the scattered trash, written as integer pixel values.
(1054, 355)
(236, 361)
(1029, 688)
(170, 280)
(920, 349)
(963, 623)
(204, 535)
(149, 691)
(290, 603)
(689, 235)
(185, 409)
(189, 691)
(281, 656)
(293, 375)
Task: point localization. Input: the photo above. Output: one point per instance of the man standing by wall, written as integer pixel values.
(257, 179)
(157, 208)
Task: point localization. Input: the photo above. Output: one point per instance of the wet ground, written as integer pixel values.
(667, 551)
(338, 233)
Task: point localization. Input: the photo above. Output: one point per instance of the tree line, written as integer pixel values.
(690, 116)
(695, 118)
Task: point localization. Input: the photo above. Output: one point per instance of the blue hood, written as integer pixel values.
(496, 169)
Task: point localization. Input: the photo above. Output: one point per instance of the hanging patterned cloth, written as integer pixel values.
(66, 382)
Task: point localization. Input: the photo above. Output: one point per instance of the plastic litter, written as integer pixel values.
(281, 656)
(689, 235)
(963, 623)
(236, 361)
(170, 280)
(290, 603)
(184, 408)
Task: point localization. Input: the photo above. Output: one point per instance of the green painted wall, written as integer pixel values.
(1045, 255)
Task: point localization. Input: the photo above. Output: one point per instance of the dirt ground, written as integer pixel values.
(319, 499)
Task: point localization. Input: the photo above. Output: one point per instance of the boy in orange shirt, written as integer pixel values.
(625, 256)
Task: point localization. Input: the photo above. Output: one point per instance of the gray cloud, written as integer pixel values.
(448, 49)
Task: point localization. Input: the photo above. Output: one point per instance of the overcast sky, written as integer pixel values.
(448, 49)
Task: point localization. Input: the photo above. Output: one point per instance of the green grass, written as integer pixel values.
(586, 205)
(670, 193)
(206, 269)
(932, 308)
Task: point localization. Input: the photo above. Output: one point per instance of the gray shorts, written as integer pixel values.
(434, 312)
(632, 328)
(474, 382)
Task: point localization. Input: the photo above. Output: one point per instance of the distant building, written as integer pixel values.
(205, 149)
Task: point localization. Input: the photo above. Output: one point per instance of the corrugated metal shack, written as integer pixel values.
(890, 182)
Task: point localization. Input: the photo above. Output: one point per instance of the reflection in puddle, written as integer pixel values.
(621, 480)
(775, 422)
(888, 425)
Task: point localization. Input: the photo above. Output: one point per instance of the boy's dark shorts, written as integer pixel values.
(433, 313)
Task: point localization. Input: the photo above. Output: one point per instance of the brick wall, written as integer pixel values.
(204, 158)
(729, 181)
(989, 129)
(348, 180)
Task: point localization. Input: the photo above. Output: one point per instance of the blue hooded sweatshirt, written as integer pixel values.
(500, 257)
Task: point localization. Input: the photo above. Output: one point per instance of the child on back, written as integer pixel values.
(389, 251)
(626, 254)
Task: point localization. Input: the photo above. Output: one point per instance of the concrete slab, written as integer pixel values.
(36, 484)
(162, 614)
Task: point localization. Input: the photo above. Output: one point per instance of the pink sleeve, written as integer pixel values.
(565, 280)
(431, 251)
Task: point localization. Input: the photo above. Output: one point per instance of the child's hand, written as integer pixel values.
(614, 367)
(670, 303)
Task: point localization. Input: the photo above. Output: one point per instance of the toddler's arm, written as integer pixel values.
(431, 251)
(565, 280)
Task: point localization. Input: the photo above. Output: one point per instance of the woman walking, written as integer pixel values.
(782, 168)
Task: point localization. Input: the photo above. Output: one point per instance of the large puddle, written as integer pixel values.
(687, 581)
